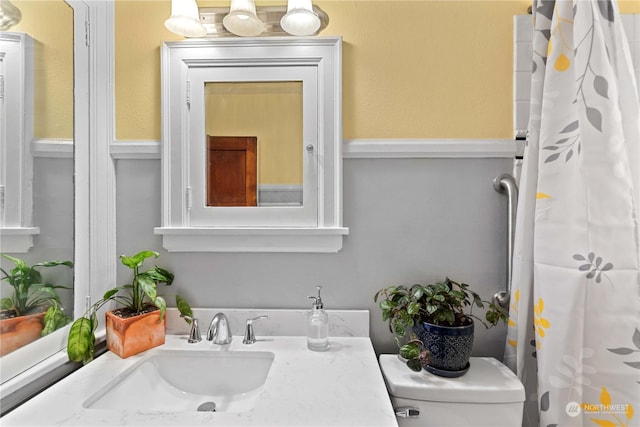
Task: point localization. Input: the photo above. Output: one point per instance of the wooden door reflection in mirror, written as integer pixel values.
(272, 112)
(231, 170)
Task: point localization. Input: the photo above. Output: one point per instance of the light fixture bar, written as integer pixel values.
(211, 18)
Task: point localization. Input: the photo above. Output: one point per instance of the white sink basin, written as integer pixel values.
(178, 381)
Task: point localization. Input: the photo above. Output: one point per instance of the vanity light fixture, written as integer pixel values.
(300, 19)
(9, 15)
(242, 19)
(185, 19)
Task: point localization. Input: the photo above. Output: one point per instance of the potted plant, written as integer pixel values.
(34, 308)
(138, 325)
(441, 320)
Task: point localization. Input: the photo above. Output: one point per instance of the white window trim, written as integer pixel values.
(177, 233)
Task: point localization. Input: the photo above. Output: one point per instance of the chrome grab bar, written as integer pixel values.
(501, 184)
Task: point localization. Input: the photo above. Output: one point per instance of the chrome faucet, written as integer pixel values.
(219, 331)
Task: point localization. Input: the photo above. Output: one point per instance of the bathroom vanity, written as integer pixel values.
(276, 381)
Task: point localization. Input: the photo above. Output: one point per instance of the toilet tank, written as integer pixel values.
(489, 394)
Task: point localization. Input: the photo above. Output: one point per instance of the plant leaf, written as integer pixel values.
(161, 304)
(81, 341)
(183, 307)
(635, 365)
(137, 260)
(148, 286)
(579, 257)
(110, 293)
(410, 351)
(415, 365)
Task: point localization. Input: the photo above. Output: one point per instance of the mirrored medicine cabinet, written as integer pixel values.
(251, 145)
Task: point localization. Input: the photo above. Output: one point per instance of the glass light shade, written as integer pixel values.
(300, 20)
(9, 15)
(185, 19)
(242, 19)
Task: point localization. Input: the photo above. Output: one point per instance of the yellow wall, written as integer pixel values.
(411, 69)
(50, 24)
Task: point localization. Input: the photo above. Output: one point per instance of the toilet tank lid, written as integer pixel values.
(487, 381)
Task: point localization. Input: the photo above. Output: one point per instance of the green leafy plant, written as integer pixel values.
(31, 295)
(446, 303)
(140, 296)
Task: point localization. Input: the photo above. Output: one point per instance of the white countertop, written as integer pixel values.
(340, 387)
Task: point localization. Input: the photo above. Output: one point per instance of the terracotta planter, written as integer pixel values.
(133, 335)
(19, 331)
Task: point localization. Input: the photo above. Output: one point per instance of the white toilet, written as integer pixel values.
(488, 395)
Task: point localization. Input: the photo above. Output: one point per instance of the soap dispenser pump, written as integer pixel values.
(318, 325)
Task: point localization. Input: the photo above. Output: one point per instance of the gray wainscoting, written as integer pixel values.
(411, 220)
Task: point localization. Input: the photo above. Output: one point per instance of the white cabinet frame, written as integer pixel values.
(262, 232)
(16, 163)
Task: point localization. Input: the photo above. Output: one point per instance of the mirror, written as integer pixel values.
(46, 153)
(254, 143)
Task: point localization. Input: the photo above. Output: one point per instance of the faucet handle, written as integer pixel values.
(249, 336)
(194, 333)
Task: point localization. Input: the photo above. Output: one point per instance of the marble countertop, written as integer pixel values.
(340, 387)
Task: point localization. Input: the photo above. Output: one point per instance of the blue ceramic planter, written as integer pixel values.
(450, 347)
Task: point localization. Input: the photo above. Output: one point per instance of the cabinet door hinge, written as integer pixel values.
(188, 197)
(87, 32)
(188, 94)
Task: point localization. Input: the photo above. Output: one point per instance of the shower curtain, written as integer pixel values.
(574, 327)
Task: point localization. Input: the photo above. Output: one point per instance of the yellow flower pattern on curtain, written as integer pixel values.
(574, 327)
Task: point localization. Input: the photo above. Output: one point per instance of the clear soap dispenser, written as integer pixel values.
(318, 325)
